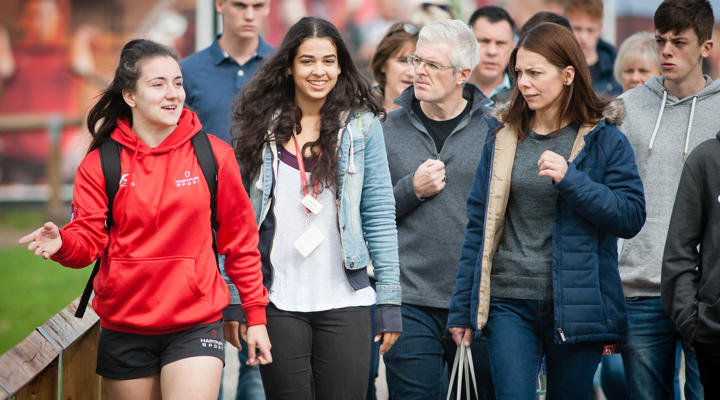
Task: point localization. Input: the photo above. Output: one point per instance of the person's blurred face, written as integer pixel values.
(681, 54)
(399, 74)
(636, 71)
(40, 20)
(435, 79)
(496, 43)
(158, 98)
(587, 31)
(540, 82)
(243, 18)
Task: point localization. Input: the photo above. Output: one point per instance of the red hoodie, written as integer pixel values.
(158, 275)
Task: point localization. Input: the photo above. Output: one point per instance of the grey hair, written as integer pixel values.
(458, 35)
(639, 45)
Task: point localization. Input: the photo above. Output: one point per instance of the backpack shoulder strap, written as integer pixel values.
(208, 164)
(110, 163)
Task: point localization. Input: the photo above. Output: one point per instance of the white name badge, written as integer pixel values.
(309, 241)
(312, 204)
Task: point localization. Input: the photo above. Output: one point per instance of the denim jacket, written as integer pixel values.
(366, 213)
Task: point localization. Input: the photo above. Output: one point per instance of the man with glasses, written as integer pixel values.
(433, 144)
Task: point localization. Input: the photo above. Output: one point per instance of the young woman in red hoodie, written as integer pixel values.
(158, 291)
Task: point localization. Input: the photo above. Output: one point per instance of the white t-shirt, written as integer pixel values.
(316, 282)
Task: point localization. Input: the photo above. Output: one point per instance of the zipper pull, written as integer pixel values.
(562, 334)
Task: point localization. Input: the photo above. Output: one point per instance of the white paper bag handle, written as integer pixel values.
(463, 363)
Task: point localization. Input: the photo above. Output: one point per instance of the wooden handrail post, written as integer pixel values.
(54, 130)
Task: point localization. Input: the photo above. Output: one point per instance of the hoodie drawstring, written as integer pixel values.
(162, 190)
(688, 131)
(131, 176)
(657, 123)
(689, 127)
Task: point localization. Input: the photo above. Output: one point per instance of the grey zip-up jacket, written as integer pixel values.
(662, 130)
(431, 231)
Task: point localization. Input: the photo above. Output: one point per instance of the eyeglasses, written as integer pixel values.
(403, 27)
(415, 61)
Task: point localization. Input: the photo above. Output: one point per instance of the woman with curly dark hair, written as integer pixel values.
(311, 149)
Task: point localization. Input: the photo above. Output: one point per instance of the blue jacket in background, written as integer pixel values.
(602, 72)
(600, 199)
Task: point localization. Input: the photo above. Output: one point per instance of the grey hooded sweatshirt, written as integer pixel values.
(662, 130)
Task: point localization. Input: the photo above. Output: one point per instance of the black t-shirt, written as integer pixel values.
(440, 130)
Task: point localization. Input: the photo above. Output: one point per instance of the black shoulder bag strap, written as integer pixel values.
(110, 161)
(208, 164)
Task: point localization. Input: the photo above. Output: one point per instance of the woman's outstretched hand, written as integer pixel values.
(44, 241)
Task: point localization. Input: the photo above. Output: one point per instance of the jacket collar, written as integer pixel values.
(470, 91)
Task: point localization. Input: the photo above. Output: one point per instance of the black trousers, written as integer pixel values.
(708, 360)
(318, 355)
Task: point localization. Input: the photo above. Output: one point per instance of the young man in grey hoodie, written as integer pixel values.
(666, 118)
(433, 144)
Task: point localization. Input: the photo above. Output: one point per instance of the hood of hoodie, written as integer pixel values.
(662, 130)
(188, 125)
(151, 165)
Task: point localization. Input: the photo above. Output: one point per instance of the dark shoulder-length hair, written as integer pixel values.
(578, 102)
(266, 110)
(102, 118)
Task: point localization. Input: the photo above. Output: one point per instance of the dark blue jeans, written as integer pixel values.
(519, 333)
(418, 365)
(649, 354)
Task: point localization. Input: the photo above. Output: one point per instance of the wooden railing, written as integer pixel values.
(53, 124)
(56, 361)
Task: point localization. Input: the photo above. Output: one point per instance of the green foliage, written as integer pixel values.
(32, 290)
(23, 219)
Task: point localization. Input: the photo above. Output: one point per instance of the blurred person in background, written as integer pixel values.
(431, 11)
(544, 16)
(586, 16)
(389, 65)
(637, 60)
(495, 33)
(42, 75)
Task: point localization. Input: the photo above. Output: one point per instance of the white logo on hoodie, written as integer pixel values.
(124, 180)
(187, 181)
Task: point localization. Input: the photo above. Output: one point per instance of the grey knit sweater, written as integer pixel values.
(431, 231)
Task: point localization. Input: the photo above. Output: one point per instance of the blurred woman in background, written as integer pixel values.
(389, 65)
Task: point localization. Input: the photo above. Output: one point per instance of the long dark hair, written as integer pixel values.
(268, 103)
(102, 119)
(578, 101)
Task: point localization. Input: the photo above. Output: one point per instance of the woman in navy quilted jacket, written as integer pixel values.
(556, 186)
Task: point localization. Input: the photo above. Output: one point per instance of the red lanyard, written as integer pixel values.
(303, 176)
